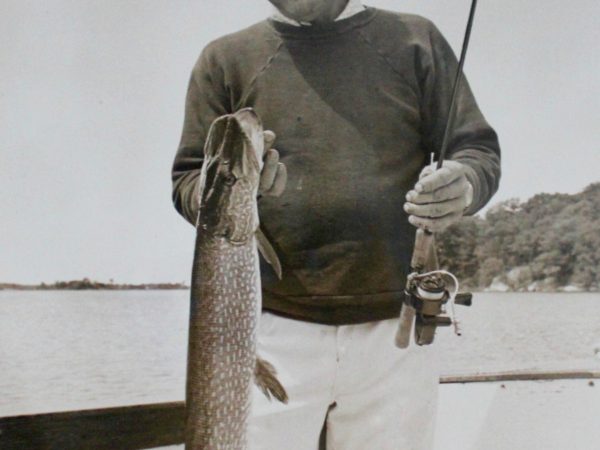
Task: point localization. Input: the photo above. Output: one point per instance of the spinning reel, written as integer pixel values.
(427, 294)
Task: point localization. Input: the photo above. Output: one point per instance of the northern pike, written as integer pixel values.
(226, 289)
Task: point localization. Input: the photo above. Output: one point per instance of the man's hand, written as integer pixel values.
(440, 197)
(273, 177)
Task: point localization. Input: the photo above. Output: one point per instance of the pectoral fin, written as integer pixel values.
(268, 252)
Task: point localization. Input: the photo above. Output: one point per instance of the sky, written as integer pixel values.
(91, 109)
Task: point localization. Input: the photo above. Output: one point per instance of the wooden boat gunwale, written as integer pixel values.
(162, 424)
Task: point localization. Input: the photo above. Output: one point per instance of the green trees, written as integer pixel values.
(548, 242)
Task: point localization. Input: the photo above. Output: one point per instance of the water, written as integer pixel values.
(65, 350)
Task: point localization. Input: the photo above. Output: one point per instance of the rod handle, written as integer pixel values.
(405, 327)
(422, 249)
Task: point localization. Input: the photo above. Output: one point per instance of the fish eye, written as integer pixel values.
(229, 179)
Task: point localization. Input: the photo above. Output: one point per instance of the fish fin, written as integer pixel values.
(265, 378)
(266, 249)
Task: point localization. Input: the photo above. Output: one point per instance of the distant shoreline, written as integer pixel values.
(90, 285)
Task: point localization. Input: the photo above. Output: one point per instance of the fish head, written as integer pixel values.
(233, 161)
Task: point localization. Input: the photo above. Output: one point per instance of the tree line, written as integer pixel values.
(546, 243)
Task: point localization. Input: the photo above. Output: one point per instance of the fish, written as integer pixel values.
(225, 299)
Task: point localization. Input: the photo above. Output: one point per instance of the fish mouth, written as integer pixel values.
(248, 116)
(230, 175)
(252, 127)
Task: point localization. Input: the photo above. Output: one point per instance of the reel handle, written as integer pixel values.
(464, 299)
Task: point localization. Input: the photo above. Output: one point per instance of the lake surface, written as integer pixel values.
(64, 350)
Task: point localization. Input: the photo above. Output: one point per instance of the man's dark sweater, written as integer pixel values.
(357, 106)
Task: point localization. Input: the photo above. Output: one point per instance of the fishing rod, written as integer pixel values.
(427, 291)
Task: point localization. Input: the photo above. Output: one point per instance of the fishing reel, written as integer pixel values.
(427, 295)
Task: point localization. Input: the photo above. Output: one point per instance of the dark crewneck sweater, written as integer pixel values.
(357, 106)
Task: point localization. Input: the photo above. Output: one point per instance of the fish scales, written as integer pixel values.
(226, 290)
(222, 342)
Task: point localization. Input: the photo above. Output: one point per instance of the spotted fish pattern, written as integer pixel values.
(226, 290)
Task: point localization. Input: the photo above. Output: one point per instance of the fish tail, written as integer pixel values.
(265, 377)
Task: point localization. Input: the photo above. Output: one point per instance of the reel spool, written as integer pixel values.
(429, 295)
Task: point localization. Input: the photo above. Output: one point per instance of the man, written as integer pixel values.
(357, 98)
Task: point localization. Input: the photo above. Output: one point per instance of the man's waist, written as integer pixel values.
(338, 309)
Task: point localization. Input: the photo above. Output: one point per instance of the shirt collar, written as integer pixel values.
(353, 7)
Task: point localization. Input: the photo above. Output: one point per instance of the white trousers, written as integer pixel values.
(385, 398)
